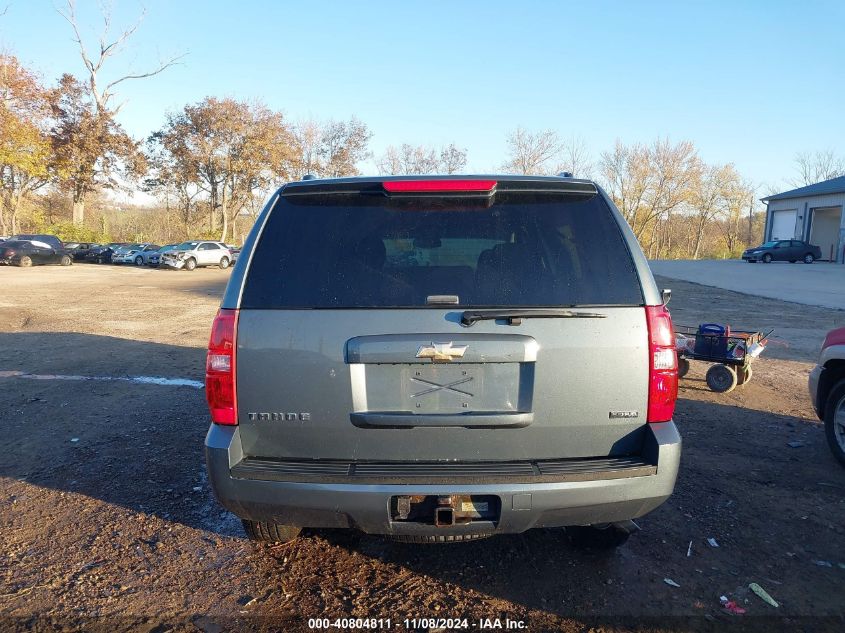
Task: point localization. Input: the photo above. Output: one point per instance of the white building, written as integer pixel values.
(812, 214)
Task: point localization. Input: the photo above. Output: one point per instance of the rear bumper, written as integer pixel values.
(367, 506)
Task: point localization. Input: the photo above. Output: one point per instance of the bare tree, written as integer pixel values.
(307, 136)
(648, 184)
(329, 149)
(452, 159)
(419, 159)
(102, 114)
(532, 152)
(813, 167)
(737, 197)
(575, 158)
(706, 202)
(344, 144)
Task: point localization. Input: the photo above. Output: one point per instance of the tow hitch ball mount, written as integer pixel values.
(444, 510)
(444, 514)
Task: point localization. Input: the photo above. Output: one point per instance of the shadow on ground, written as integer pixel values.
(135, 445)
(773, 509)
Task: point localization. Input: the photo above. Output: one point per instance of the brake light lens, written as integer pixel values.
(220, 368)
(438, 186)
(663, 365)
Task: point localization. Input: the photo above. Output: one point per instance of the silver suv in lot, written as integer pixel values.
(441, 359)
(191, 255)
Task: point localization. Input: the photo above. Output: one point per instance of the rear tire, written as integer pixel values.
(65, 260)
(834, 421)
(744, 375)
(809, 259)
(26, 261)
(591, 537)
(265, 532)
(683, 367)
(139, 261)
(767, 258)
(224, 263)
(190, 263)
(721, 378)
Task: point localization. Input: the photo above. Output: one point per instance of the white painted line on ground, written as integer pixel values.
(141, 380)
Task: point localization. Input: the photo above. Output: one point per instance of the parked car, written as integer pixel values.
(154, 257)
(120, 252)
(783, 251)
(103, 254)
(80, 250)
(31, 252)
(134, 254)
(520, 373)
(50, 240)
(827, 391)
(190, 255)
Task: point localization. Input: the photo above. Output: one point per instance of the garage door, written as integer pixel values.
(783, 225)
(824, 231)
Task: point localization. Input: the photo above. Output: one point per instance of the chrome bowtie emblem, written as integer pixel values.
(441, 352)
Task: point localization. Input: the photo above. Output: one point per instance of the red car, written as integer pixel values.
(827, 390)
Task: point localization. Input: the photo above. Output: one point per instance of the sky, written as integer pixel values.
(750, 83)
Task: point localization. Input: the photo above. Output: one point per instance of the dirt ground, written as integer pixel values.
(108, 523)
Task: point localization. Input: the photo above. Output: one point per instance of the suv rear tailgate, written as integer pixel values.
(307, 379)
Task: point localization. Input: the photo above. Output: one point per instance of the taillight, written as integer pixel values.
(220, 368)
(438, 186)
(663, 365)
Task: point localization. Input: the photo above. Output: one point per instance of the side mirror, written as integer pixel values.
(666, 295)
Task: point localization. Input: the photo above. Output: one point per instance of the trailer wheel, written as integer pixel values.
(683, 367)
(721, 378)
(743, 375)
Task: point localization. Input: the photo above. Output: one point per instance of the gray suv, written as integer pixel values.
(442, 359)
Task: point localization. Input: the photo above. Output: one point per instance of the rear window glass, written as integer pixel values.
(369, 251)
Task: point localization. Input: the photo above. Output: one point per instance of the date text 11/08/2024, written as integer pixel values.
(417, 624)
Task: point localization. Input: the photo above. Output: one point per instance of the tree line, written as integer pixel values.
(211, 164)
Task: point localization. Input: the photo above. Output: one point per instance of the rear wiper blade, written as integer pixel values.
(514, 317)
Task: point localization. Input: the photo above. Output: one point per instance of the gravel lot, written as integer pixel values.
(108, 523)
(820, 284)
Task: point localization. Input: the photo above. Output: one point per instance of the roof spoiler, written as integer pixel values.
(440, 186)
